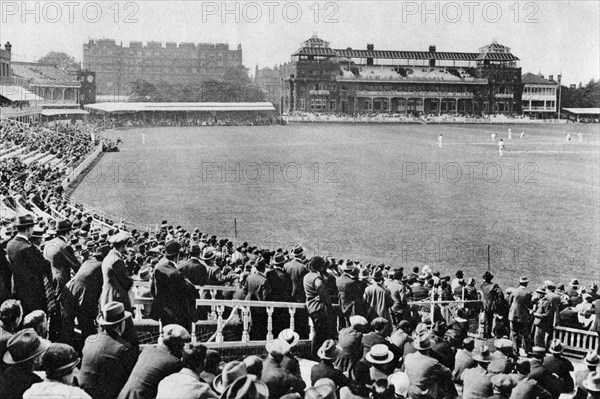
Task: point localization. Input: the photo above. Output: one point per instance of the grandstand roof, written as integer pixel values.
(41, 72)
(413, 55)
(533, 79)
(583, 111)
(63, 111)
(18, 93)
(178, 107)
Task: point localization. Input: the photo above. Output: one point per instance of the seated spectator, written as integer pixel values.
(358, 385)
(24, 351)
(38, 321)
(231, 372)
(246, 387)
(155, 363)
(187, 383)
(11, 315)
(279, 380)
(211, 366)
(592, 385)
(476, 380)
(59, 362)
(591, 361)
(381, 389)
(502, 385)
(381, 360)
(328, 352)
(559, 365)
(321, 392)
(254, 366)
(401, 383)
(464, 360)
(289, 362)
(350, 341)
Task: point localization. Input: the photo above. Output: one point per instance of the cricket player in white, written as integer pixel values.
(568, 137)
(143, 138)
(580, 137)
(509, 133)
(500, 147)
(493, 136)
(440, 138)
(522, 134)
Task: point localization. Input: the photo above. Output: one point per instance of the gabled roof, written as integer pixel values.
(533, 79)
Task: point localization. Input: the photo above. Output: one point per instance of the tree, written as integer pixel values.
(237, 74)
(60, 60)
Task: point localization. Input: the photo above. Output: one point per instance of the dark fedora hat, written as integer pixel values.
(112, 313)
(208, 254)
(422, 341)
(23, 346)
(172, 248)
(483, 355)
(297, 251)
(63, 226)
(487, 276)
(59, 360)
(38, 232)
(279, 259)
(24, 221)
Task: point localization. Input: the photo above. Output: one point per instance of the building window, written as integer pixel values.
(332, 105)
(302, 104)
(317, 104)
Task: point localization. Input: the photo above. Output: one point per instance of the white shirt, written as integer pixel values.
(50, 389)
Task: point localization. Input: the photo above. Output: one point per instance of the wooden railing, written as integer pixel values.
(577, 341)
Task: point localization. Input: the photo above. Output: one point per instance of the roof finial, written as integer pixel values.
(495, 39)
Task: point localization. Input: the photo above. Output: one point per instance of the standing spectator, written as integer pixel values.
(193, 269)
(596, 325)
(107, 358)
(187, 383)
(542, 319)
(489, 292)
(318, 304)
(350, 293)
(61, 255)
(279, 380)
(257, 288)
(280, 291)
(441, 348)
(211, 366)
(31, 272)
(297, 270)
(519, 315)
(378, 300)
(555, 302)
(173, 294)
(83, 292)
(59, 362)
(155, 363)
(23, 351)
(116, 282)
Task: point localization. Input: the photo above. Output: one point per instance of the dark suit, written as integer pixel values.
(324, 370)
(545, 378)
(173, 296)
(83, 296)
(596, 325)
(279, 380)
(297, 270)
(5, 274)
(106, 364)
(562, 367)
(281, 291)
(194, 271)
(15, 381)
(519, 317)
(443, 352)
(257, 288)
(28, 268)
(62, 258)
(350, 293)
(350, 341)
(476, 383)
(428, 378)
(155, 363)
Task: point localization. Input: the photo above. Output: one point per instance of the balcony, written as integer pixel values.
(318, 92)
(504, 95)
(413, 94)
(538, 109)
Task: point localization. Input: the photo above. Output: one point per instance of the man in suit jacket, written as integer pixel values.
(258, 288)
(155, 363)
(82, 296)
(193, 269)
(463, 360)
(61, 255)
(116, 282)
(350, 293)
(428, 378)
(476, 380)
(596, 325)
(173, 295)
(378, 300)
(107, 359)
(488, 290)
(279, 380)
(519, 315)
(28, 267)
(297, 270)
(281, 291)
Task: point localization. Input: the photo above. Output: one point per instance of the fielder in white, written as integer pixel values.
(493, 136)
(568, 137)
(522, 134)
(580, 137)
(440, 139)
(509, 133)
(143, 138)
(500, 147)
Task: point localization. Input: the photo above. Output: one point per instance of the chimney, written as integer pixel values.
(432, 49)
(370, 47)
(551, 78)
(8, 46)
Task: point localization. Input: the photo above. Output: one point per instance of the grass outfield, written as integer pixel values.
(379, 193)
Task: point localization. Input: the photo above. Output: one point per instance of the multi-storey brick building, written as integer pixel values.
(539, 96)
(5, 56)
(322, 79)
(116, 66)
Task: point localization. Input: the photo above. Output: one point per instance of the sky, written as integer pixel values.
(550, 37)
